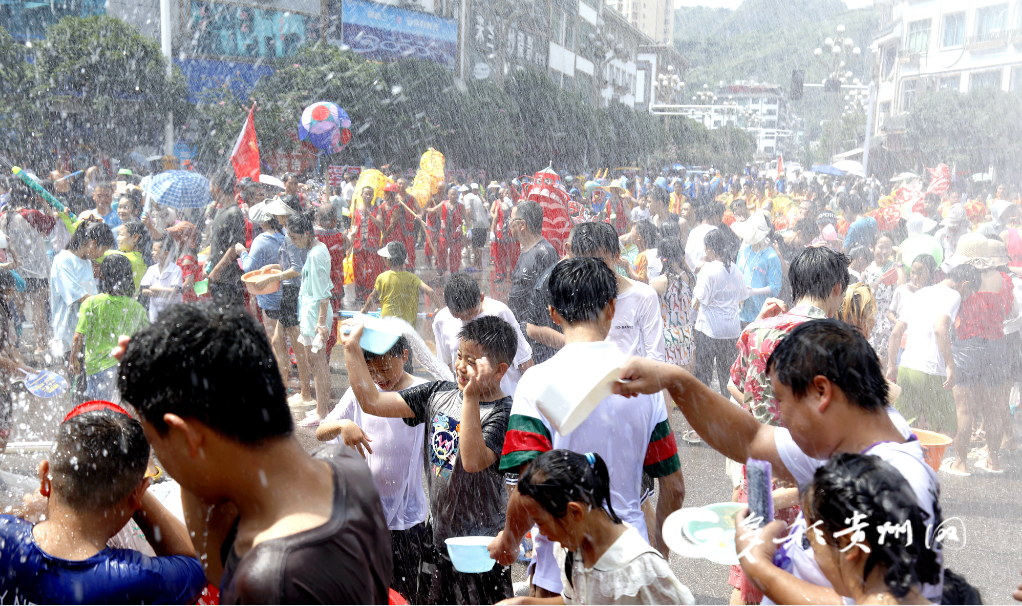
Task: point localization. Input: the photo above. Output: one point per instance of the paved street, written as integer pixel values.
(988, 506)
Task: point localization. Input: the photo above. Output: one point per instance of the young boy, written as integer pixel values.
(632, 436)
(397, 289)
(305, 528)
(393, 451)
(93, 484)
(465, 303)
(464, 427)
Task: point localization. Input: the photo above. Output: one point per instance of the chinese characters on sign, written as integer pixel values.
(230, 30)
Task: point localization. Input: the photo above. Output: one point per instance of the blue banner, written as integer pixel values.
(204, 74)
(386, 33)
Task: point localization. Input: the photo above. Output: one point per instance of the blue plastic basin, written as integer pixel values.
(469, 554)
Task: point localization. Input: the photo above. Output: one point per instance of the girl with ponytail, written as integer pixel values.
(606, 561)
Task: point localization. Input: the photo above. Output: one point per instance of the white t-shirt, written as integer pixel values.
(169, 277)
(921, 312)
(720, 293)
(396, 460)
(476, 211)
(29, 244)
(907, 458)
(619, 430)
(900, 296)
(640, 214)
(446, 328)
(347, 191)
(695, 248)
(654, 266)
(638, 327)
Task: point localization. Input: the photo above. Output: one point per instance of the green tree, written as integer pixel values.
(109, 80)
(20, 120)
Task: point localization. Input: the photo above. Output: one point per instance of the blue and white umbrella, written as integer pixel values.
(178, 189)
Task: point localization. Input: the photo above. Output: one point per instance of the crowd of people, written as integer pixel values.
(777, 316)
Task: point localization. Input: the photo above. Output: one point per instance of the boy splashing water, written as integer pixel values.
(464, 426)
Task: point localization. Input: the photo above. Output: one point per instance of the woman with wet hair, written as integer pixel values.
(605, 560)
(884, 560)
(859, 308)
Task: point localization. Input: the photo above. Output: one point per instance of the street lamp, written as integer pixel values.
(606, 48)
(839, 48)
(668, 85)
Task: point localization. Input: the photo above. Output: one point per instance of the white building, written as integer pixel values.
(930, 45)
(655, 18)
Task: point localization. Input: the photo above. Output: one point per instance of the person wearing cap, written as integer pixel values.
(955, 225)
(265, 253)
(759, 263)
(1004, 216)
(92, 484)
(979, 352)
(398, 290)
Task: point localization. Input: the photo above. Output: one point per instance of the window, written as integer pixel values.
(918, 36)
(990, 20)
(569, 33)
(1016, 79)
(557, 25)
(980, 80)
(908, 94)
(949, 82)
(953, 30)
(585, 45)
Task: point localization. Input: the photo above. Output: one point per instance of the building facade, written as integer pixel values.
(927, 45)
(654, 18)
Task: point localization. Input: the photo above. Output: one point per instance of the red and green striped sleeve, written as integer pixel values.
(526, 439)
(662, 453)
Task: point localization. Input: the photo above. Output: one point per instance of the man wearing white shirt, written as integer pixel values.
(638, 327)
(466, 303)
(710, 214)
(833, 399)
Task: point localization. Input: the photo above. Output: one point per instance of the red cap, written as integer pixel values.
(93, 406)
(391, 187)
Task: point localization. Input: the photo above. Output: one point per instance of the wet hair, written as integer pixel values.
(116, 277)
(494, 336)
(853, 202)
(292, 202)
(670, 228)
(648, 232)
(287, 177)
(964, 273)
(103, 185)
(214, 366)
(396, 351)
(660, 195)
(722, 245)
(851, 486)
(7, 279)
(532, 213)
(398, 253)
(558, 477)
(327, 213)
(594, 239)
(808, 227)
(580, 288)
(145, 240)
(461, 293)
(859, 307)
(97, 231)
(224, 179)
(98, 458)
(815, 272)
(299, 224)
(672, 250)
(928, 262)
(859, 252)
(710, 210)
(837, 351)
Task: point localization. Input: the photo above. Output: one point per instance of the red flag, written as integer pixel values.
(245, 156)
(780, 165)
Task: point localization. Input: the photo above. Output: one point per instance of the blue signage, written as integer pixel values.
(385, 33)
(204, 74)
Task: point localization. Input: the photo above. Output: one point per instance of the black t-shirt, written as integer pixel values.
(525, 302)
(348, 560)
(228, 229)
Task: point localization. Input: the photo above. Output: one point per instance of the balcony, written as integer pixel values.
(992, 39)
